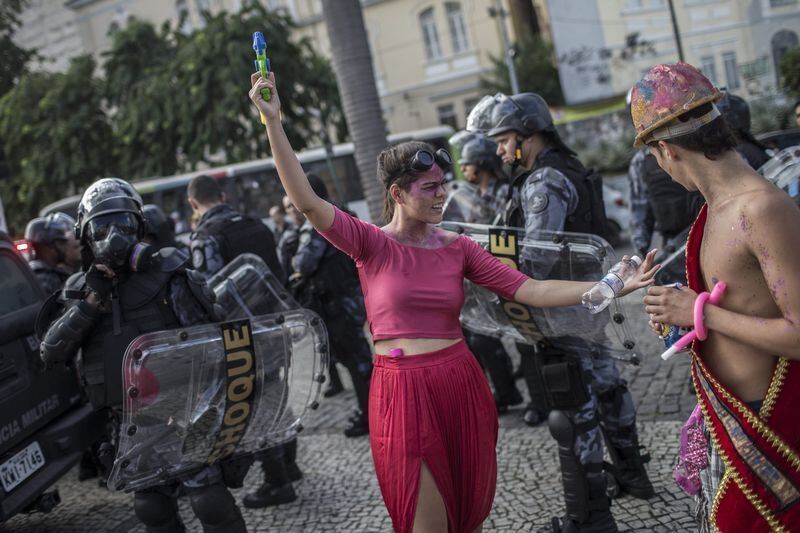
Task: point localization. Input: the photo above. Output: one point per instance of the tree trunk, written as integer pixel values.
(523, 19)
(352, 62)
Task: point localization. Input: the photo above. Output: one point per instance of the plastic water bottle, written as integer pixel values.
(598, 297)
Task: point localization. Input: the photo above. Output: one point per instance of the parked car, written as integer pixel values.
(45, 422)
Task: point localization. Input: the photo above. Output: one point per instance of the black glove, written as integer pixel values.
(99, 283)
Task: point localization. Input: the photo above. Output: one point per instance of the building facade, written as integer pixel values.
(428, 54)
(604, 46)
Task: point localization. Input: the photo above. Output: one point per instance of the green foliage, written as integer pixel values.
(173, 101)
(770, 114)
(182, 99)
(56, 137)
(13, 59)
(535, 72)
(140, 89)
(790, 72)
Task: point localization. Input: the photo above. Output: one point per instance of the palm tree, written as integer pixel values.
(352, 62)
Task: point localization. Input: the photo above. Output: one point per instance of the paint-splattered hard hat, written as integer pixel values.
(665, 93)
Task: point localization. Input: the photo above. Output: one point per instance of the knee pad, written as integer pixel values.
(561, 427)
(155, 509)
(213, 504)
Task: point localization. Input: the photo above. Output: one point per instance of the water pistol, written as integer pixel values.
(262, 64)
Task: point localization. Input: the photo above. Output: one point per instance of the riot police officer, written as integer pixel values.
(325, 279)
(56, 252)
(126, 290)
(480, 201)
(551, 190)
(221, 235)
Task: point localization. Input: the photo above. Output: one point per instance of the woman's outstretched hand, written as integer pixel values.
(270, 109)
(644, 274)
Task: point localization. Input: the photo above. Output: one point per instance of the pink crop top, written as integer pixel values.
(413, 292)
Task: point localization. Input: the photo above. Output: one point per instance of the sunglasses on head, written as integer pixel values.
(422, 161)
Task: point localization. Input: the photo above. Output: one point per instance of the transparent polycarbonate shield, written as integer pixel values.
(464, 204)
(194, 396)
(246, 287)
(547, 255)
(784, 171)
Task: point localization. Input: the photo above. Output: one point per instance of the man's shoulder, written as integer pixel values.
(766, 204)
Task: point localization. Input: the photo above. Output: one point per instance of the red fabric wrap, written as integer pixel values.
(760, 449)
(435, 408)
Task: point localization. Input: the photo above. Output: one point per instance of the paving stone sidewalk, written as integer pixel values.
(339, 492)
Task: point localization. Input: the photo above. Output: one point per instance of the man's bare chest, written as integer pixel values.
(725, 256)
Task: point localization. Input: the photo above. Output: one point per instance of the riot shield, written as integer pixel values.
(462, 200)
(547, 255)
(784, 171)
(194, 396)
(246, 287)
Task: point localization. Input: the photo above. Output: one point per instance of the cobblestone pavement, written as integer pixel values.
(340, 493)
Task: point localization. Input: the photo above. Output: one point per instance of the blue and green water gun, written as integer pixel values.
(262, 64)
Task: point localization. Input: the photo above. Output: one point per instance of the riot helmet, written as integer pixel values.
(524, 113)
(47, 230)
(110, 221)
(735, 110)
(159, 228)
(481, 152)
(54, 232)
(460, 138)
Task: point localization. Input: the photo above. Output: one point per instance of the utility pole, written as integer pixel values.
(508, 50)
(675, 30)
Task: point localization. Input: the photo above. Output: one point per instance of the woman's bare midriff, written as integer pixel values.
(413, 346)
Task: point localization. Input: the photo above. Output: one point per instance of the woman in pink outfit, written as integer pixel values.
(432, 418)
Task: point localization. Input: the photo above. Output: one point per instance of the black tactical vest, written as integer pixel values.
(145, 307)
(239, 234)
(590, 214)
(674, 208)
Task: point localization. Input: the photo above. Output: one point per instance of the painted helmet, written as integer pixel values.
(665, 93)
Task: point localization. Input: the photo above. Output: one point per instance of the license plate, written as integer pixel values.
(21, 466)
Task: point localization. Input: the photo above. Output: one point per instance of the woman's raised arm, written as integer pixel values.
(318, 211)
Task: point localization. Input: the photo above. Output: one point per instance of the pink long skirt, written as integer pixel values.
(435, 408)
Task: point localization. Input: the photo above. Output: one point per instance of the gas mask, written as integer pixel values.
(113, 238)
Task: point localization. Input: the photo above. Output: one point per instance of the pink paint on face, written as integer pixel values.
(429, 184)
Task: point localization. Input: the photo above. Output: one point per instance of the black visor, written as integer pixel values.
(100, 227)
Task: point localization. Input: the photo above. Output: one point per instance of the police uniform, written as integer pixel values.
(549, 199)
(164, 295)
(223, 233)
(559, 194)
(325, 280)
(51, 279)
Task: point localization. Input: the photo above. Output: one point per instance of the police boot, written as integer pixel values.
(503, 402)
(277, 488)
(359, 425)
(533, 416)
(290, 460)
(87, 468)
(627, 466)
(268, 495)
(587, 505)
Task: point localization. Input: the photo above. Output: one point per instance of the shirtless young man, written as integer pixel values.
(746, 374)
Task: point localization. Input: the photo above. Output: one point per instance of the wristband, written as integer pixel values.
(699, 324)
